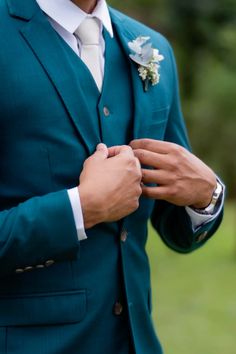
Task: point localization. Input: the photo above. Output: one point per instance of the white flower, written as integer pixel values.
(143, 73)
(147, 58)
(136, 45)
(156, 56)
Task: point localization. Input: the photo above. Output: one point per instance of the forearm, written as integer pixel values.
(40, 229)
(175, 227)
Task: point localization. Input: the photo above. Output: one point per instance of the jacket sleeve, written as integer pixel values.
(172, 222)
(37, 230)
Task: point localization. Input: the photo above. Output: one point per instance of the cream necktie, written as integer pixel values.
(89, 33)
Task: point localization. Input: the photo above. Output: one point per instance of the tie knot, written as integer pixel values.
(89, 31)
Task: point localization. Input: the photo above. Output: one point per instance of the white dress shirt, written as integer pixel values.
(65, 17)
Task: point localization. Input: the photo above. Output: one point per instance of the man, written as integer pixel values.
(74, 212)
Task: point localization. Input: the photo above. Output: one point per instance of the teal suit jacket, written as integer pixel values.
(64, 304)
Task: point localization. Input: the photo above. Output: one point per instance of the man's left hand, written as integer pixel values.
(182, 179)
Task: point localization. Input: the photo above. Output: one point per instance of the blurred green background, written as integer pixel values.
(194, 296)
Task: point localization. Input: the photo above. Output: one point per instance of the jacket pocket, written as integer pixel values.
(43, 309)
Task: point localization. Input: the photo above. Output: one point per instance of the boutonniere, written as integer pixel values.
(148, 59)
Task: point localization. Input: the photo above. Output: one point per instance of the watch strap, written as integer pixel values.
(216, 199)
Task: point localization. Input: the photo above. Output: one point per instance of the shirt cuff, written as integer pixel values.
(199, 220)
(77, 212)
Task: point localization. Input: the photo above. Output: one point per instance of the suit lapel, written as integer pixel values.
(48, 48)
(143, 101)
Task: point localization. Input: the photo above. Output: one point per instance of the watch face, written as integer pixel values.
(216, 195)
(218, 190)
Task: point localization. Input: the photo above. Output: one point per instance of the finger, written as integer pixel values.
(160, 193)
(152, 159)
(159, 177)
(161, 147)
(101, 152)
(120, 149)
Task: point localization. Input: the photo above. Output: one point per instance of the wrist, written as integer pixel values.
(207, 199)
(215, 200)
(92, 213)
(204, 203)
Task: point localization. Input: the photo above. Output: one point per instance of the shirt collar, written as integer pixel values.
(69, 16)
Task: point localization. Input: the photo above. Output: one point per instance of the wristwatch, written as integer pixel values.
(216, 197)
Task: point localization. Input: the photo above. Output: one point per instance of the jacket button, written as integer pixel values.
(106, 111)
(40, 266)
(118, 309)
(19, 271)
(28, 269)
(49, 262)
(202, 236)
(123, 236)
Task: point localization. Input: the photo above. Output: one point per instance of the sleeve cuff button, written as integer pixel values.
(19, 271)
(202, 236)
(49, 263)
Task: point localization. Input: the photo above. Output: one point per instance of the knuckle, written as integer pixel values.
(141, 153)
(174, 148)
(138, 178)
(132, 164)
(128, 148)
(139, 190)
(139, 173)
(129, 151)
(177, 147)
(135, 204)
(147, 143)
(179, 150)
(129, 159)
(86, 162)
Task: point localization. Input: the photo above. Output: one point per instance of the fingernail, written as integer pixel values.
(101, 146)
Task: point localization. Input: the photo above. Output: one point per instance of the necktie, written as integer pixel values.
(89, 33)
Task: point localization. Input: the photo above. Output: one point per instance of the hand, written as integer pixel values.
(109, 185)
(181, 177)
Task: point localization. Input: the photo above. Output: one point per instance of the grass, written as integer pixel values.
(194, 296)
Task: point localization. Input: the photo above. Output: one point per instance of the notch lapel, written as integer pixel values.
(48, 48)
(143, 101)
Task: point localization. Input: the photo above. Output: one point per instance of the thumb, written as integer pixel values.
(101, 151)
(119, 150)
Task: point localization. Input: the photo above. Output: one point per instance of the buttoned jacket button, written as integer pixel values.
(19, 271)
(40, 266)
(118, 309)
(123, 236)
(202, 236)
(106, 111)
(49, 262)
(28, 269)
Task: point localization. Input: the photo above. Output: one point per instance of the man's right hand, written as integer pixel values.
(109, 185)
